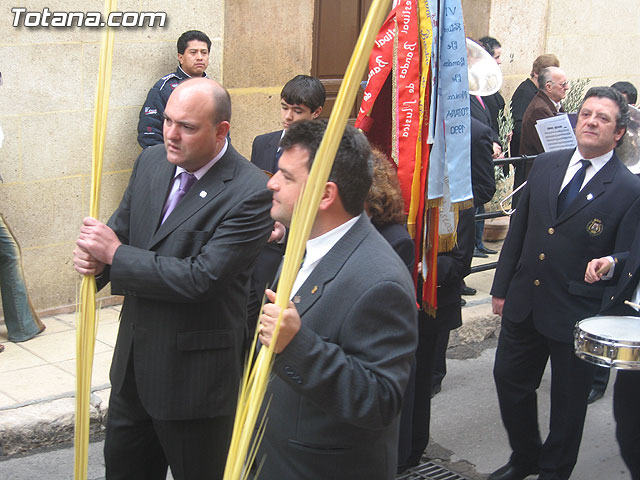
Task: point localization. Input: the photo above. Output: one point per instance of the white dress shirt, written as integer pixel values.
(574, 165)
(317, 248)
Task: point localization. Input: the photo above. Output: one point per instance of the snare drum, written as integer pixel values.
(609, 341)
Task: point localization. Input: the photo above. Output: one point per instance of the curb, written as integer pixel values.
(478, 323)
(47, 423)
(50, 421)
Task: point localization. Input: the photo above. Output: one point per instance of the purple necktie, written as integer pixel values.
(186, 181)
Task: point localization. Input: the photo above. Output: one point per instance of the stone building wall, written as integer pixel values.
(593, 39)
(46, 113)
(267, 42)
(47, 100)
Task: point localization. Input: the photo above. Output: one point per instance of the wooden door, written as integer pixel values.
(337, 25)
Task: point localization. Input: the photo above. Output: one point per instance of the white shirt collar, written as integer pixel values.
(574, 165)
(597, 162)
(317, 248)
(204, 169)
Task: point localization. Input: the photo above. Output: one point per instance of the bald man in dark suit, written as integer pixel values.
(180, 248)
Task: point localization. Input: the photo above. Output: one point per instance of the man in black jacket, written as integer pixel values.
(302, 98)
(577, 204)
(622, 284)
(193, 59)
(453, 266)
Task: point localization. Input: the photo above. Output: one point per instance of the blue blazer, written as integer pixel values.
(542, 262)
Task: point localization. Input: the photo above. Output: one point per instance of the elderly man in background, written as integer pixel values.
(522, 98)
(552, 88)
(520, 101)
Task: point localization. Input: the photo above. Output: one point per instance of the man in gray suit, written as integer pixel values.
(180, 248)
(348, 337)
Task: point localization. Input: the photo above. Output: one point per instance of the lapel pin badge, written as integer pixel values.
(314, 289)
(203, 194)
(590, 196)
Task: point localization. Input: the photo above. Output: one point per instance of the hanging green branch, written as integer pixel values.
(505, 127)
(575, 95)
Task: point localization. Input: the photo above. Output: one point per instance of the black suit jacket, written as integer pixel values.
(185, 283)
(263, 155)
(401, 242)
(519, 102)
(543, 259)
(482, 114)
(337, 387)
(483, 180)
(494, 104)
(263, 151)
(624, 282)
(453, 266)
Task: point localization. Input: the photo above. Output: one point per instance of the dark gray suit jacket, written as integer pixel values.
(543, 259)
(337, 388)
(185, 283)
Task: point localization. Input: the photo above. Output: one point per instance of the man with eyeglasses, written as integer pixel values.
(552, 88)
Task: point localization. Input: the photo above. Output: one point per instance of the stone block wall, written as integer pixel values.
(46, 113)
(266, 43)
(50, 74)
(593, 38)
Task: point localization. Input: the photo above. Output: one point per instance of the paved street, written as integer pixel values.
(466, 421)
(466, 429)
(54, 465)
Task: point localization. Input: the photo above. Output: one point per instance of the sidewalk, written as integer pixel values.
(37, 386)
(38, 383)
(478, 320)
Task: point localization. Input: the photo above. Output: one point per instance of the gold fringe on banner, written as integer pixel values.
(447, 241)
(433, 203)
(255, 380)
(87, 320)
(394, 98)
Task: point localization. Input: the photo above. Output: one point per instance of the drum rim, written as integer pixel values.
(610, 341)
(602, 360)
